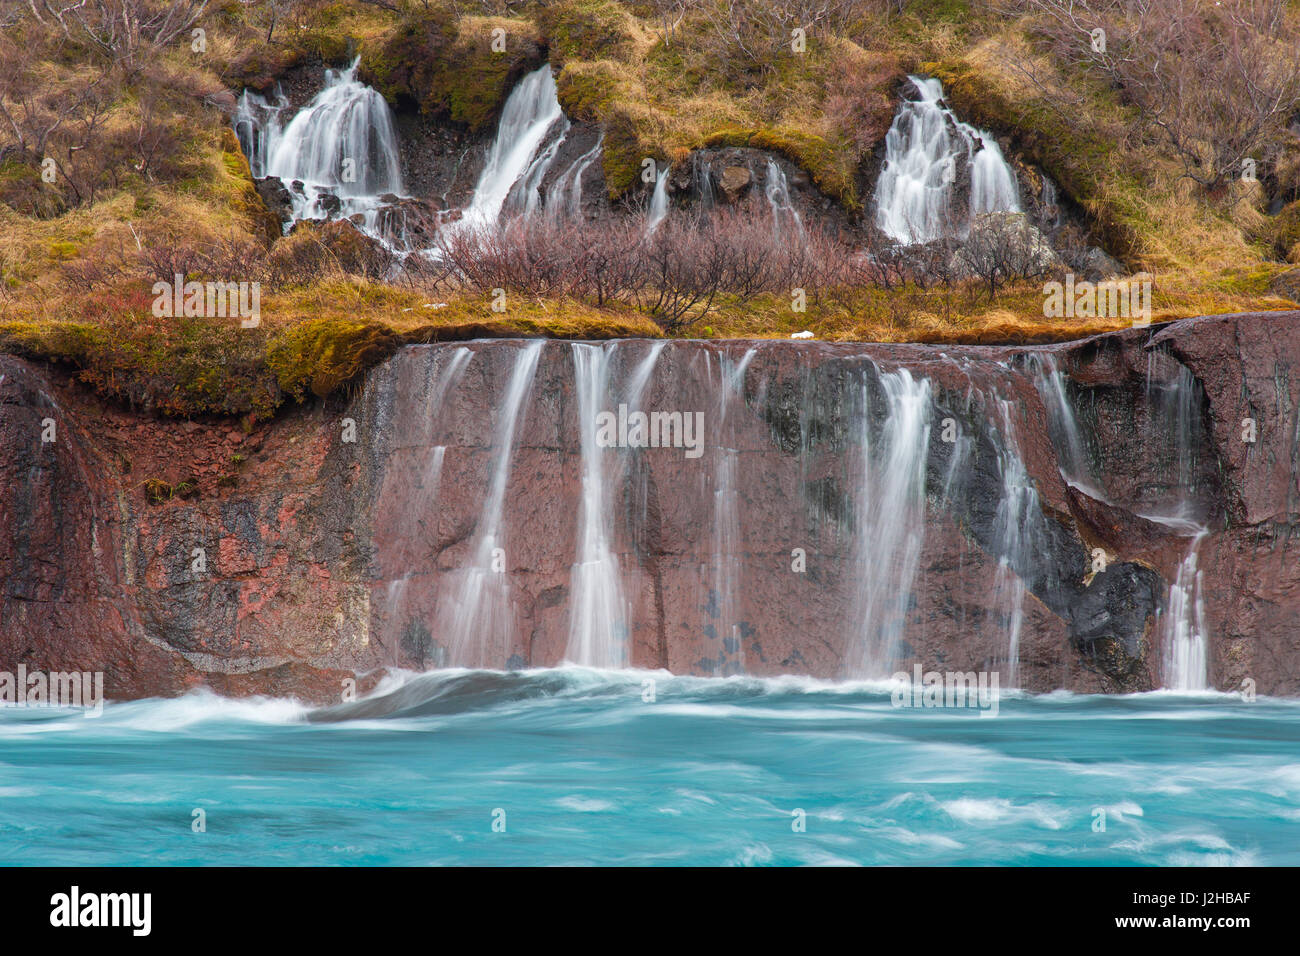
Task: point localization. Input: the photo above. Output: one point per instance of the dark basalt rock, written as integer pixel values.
(276, 197)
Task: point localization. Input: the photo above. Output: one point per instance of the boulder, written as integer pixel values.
(276, 197)
(1008, 241)
(734, 183)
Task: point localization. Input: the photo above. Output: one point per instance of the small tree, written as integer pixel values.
(1003, 247)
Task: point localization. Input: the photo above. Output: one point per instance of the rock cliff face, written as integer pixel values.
(1091, 516)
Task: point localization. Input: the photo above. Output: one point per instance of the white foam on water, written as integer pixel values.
(926, 149)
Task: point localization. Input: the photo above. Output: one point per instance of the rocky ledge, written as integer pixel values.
(334, 541)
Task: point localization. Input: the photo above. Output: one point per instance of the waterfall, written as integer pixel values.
(926, 150)
(519, 155)
(702, 177)
(778, 197)
(1050, 203)
(342, 148)
(645, 545)
(257, 126)
(564, 198)
(641, 376)
(474, 609)
(1063, 425)
(1183, 626)
(1014, 536)
(1180, 401)
(890, 520)
(525, 197)
(723, 605)
(599, 615)
(658, 203)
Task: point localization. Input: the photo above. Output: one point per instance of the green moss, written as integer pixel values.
(196, 366)
(403, 65)
(584, 29)
(1247, 282)
(451, 70)
(829, 168)
(951, 11)
(1285, 231)
(243, 197)
(588, 92)
(624, 154)
(319, 355)
(1091, 170)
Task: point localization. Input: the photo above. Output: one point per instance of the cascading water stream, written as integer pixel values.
(658, 210)
(257, 124)
(726, 582)
(785, 218)
(1063, 425)
(564, 198)
(702, 177)
(1183, 627)
(474, 612)
(890, 507)
(927, 150)
(599, 615)
(342, 147)
(520, 154)
(1183, 623)
(526, 197)
(1014, 533)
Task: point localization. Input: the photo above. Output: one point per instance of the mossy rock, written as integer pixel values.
(829, 168)
(188, 367)
(260, 66)
(314, 249)
(588, 91)
(405, 64)
(584, 29)
(320, 355)
(460, 76)
(247, 202)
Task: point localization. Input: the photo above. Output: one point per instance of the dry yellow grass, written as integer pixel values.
(665, 99)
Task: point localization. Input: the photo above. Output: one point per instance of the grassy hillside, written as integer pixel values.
(118, 167)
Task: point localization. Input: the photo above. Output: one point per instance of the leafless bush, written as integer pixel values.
(669, 14)
(757, 34)
(1215, 80)
(166, 257)
(612, 269)
(529, 257)
(127, 32)
(1004, 247)
(679, 272)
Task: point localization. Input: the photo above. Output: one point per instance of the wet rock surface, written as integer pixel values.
(283, 559)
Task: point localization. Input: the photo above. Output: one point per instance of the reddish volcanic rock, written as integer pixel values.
(286, 560)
